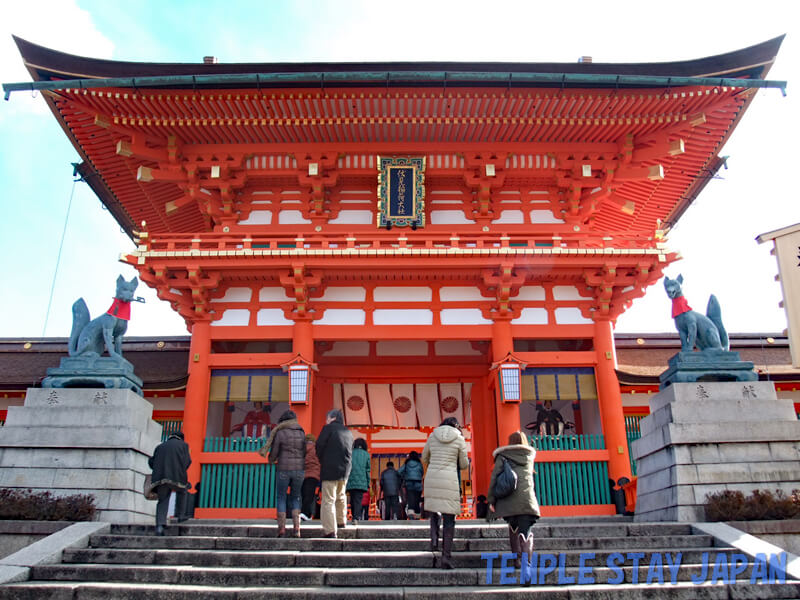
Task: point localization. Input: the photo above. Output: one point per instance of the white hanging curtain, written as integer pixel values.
(337, 397)
(451, 402)
(380, 405)
(405, 409)
(428, 405)
(356, 407)
(466, 388)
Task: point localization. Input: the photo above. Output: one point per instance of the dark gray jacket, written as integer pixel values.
(169, 462)
(390, 482)
(334, 450)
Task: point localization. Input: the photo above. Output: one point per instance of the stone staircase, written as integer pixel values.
(234, 559)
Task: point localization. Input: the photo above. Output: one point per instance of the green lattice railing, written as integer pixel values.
(634, 433)
(237, 486)
(226, 444)
(170, 427)
(572, 483)
(591, 441)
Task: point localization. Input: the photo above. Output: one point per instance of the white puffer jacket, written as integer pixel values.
(445, 454)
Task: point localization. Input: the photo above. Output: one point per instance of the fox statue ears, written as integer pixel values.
(121, 280)
(679, 278)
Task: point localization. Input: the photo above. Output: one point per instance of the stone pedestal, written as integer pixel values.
(83, 441)
(708, 365)
(93, 371)
(706, 437)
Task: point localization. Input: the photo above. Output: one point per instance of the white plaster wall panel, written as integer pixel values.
(566, 292)
(463, 316)
(531, 316)
(544, 216)
(459, 294)
(233, 316)
(344, 294)
(455, 348)
(444, 193)
(510, 216)
(292, 217)
(444, 161)
(530, 292)
(273, 294)
(449, 217)
(272, 316)
(530, 161)
(401, 348)
(236, 294)
(402, 317)
(352, 217)
(257, 217)
(343, 316)
(570, 315)
(349, 349)
(402, 294)
(363, 161)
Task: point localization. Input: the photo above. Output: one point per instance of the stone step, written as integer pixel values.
(375, 575)
(415, 529)
(393, 544)
(322, 559)
(334, 557)
(142, 591)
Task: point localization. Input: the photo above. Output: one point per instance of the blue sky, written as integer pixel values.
(715, 236)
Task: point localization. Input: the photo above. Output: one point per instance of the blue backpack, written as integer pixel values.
(506, 481)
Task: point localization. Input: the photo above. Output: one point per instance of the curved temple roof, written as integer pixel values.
(414, 107)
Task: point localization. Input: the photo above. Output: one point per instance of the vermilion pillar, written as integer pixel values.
(196, 405)
(484, 433)
(507, 412)
(303, 344)
(610, 402)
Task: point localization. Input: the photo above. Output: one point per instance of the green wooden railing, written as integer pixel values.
(170, 427)
(591, 441)
(571, 483)
(226, 444)
(634, 433)
(237, 486)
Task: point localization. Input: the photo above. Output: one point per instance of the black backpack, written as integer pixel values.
(506, 481)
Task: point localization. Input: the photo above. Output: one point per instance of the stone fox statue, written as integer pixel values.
(89, 336)
(704, 331)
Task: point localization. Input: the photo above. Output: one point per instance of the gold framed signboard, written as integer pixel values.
(401, 191)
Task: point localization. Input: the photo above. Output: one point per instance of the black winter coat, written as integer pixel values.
(170, 462)
(334, 450)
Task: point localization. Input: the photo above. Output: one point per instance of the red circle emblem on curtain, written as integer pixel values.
(449, 404)
(355, 403)
(402, 404)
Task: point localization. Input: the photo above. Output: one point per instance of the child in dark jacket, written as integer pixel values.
(390, 489)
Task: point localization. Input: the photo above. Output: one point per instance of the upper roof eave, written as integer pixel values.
(44, 63)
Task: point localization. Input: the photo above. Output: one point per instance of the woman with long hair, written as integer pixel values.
(445, 453)
(311, 480)
(520, 508)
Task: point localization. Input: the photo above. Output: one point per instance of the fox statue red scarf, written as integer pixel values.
(680, 305)
(120, 309)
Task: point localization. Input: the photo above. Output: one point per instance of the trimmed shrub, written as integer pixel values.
(729, 505)
(27, 505)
